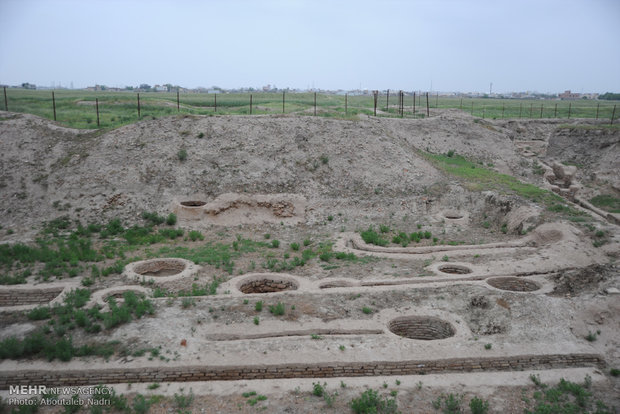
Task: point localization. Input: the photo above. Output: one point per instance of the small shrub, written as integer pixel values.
(307, 242)
(277, 309)
(183, 401)
(153, 386)
(171, 220)
(445, 258)
(275, 244)
(295, 246)
(330, 218)
(371, 403)
(450, 153)
(316, 337)
(324, 159)
(614, 372)
(256, 320)
(182, 154)
(39, 313)
(200, 135)
(187, 302)
(195, 235)
(591, 337)
(140, 404)
(259, 306)
(504, 228)
(487, 346)
(371, 237)
(318, 389)
(478, 406)
(449, 404)
(267, 236)
(366, 310)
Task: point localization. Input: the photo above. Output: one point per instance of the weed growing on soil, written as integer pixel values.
(70, 316)
(256, 320)
(478, 406)
(366, 310)
(370, 402)
(259, 306)
(277, 309)
(182, 154)
(565, 397)
(318, 389)
(450, 403)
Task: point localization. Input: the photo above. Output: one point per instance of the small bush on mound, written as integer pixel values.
(371, 403)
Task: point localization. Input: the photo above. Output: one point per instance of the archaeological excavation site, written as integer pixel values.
(301, 264)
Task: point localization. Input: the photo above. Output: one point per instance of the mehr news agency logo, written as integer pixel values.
(57, 396)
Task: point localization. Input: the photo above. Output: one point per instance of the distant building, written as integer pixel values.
(568, 95)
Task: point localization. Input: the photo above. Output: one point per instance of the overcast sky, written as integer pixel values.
(458, 45)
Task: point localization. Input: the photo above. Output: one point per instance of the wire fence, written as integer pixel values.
(109, 109)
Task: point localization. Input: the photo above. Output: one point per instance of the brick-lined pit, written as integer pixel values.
(16, 297)
(160, 267)
(514, 284)
(193, 203)
(454, 269)
(267, 286)
(59, 377)
(421, 327)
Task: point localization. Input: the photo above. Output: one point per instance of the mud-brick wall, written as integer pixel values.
(322, 370)
(14, 297)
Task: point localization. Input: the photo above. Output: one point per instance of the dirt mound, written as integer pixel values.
(579, 281)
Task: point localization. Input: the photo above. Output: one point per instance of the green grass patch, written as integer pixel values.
(606, 202)
(479, 178)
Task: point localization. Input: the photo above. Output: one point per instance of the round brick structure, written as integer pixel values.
(425, 328)
(162, 270)
(193, 203)
(513, 284)
(454, 269)
(267, 285)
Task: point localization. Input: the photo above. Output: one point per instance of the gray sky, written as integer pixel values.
(535, 45)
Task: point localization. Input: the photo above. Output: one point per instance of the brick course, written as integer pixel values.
(319, 370)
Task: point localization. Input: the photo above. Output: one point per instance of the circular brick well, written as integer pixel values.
(193, 203)
(513, 284)
(454, 269)
(421, 327)
(160, 267)
(267, 285)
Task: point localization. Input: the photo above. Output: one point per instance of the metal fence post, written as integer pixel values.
(54, 104)
(97, 108)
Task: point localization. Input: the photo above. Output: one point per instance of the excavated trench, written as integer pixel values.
(160, 267)
(454, 269)
(513, 284)
(267, 286)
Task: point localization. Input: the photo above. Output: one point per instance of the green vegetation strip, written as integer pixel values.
(478, 178)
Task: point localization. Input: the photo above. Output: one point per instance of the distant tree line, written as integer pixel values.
(610, 96)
